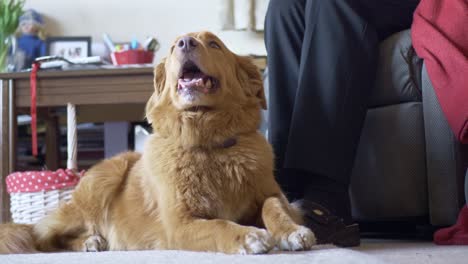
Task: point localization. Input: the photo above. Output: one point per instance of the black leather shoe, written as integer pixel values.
(328, 228)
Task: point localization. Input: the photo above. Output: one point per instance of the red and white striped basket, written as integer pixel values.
(34, 194)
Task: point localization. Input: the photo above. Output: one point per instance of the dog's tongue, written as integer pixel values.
(195, 81)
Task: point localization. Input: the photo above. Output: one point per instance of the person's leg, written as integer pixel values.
(317, 52)
(313, 47)
(318, 95)
(388, 16)
(284, 33)
(343, 100)
(336, 74)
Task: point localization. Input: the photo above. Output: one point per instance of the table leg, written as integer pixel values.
(13, 125)
(52, 140)
(5, 140)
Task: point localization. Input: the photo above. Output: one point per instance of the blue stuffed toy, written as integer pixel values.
(31, 36)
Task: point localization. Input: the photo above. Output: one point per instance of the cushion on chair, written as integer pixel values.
(398, 75)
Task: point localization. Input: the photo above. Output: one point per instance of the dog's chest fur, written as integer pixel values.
(215, 182)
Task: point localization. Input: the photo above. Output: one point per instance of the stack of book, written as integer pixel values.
(90, 145)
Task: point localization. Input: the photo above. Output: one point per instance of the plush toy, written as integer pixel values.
(31, 36)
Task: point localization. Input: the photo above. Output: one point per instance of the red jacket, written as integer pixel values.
(440, 37)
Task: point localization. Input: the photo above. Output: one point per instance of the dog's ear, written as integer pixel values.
(159, 82)
(253, 83)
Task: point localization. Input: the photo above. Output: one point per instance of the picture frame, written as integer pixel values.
(69, 47)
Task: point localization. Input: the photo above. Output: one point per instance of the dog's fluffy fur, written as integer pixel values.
(186, 191)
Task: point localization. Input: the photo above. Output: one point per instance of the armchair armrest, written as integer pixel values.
(446, 160)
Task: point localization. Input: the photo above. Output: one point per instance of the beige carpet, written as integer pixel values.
(413, 252)
(371, 251)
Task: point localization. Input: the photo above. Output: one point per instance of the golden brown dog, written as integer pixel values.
(204, 181)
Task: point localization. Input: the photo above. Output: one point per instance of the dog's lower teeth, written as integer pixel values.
(208, 84)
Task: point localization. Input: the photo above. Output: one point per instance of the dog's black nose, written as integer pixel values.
(187, 44)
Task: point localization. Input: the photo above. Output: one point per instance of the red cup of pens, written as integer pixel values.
(137, 56)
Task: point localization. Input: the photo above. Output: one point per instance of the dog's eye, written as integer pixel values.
(214, 45)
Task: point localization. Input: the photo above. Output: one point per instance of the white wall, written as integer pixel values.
(127, 19)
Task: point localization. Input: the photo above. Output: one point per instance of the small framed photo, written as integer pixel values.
(69, 47)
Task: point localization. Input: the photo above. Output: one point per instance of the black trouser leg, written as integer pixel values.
(336, 73)
(321, 59)
(284, 33)
(318, 95)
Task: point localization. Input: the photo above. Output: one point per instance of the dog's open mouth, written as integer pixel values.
(192, 79)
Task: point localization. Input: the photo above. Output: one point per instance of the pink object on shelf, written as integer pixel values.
(132, 57)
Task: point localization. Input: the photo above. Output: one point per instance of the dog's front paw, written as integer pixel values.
(257, 241)
(302, 238)
(94, 243)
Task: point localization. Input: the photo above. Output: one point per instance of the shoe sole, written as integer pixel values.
(347, 237)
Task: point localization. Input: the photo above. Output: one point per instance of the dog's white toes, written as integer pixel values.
(257, 242)
(95, 243)
(300, 239)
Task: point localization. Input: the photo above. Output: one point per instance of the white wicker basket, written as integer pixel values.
(29, 208)
(53, 188)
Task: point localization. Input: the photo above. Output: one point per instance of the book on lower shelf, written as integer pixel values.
(90, 147)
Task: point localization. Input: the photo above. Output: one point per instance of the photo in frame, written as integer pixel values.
(69, 47)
